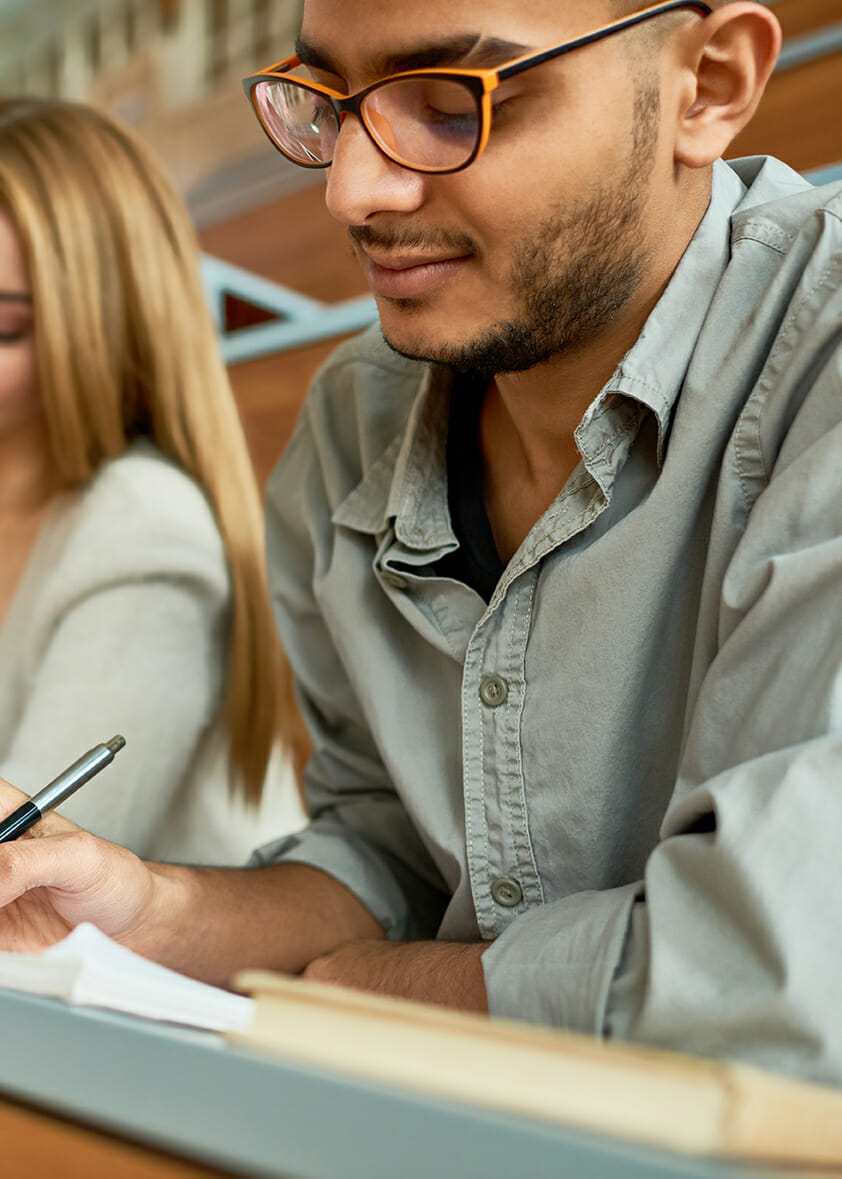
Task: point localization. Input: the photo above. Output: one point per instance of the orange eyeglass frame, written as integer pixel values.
(481, 82)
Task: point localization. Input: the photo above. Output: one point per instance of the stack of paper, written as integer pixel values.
(88, 967)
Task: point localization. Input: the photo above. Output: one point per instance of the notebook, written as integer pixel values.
(88, 968)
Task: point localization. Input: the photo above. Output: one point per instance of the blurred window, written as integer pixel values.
(54, 68)
(218, 28)
(262, 40)
(94, 43)
(130, 26)
(168, 10)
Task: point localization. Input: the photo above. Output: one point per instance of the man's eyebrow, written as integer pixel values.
(15, 297)
(468, 50)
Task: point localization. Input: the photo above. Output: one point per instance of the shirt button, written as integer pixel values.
(394, 579)
(506, 892)
(493, 690)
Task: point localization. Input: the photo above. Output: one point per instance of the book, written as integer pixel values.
(687, 1104)
(89, 968)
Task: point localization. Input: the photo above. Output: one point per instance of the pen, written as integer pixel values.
(60, 788)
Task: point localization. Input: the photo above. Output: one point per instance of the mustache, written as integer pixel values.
(427, 241)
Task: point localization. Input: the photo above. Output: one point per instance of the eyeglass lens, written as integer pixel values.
(301, 122)
(423, 122)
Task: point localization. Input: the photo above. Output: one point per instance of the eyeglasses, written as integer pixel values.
(435, 120)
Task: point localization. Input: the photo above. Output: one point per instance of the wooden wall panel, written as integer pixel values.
(295, 242)
(799, 119)
(805, 16)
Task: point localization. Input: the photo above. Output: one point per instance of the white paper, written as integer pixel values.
(87, 967)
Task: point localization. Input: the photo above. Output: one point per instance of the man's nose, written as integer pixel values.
(362, 181)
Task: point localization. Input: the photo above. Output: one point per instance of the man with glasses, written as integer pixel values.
(558, 563)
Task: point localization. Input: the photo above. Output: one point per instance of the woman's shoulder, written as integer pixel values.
(143, 486)
(141, 515)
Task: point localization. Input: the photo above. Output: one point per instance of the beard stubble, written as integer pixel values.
(570, 275)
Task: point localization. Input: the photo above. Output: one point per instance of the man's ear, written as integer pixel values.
(725, 64)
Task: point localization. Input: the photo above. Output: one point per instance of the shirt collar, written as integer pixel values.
(418, 495)
(653, 371)
(408, 483)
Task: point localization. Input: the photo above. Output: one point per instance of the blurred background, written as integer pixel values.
(279, 273)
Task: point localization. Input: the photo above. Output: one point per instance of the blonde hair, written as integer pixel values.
(126, 348)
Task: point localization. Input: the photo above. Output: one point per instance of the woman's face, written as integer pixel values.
(19, 400)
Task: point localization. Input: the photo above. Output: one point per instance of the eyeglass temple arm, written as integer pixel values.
(628, 22)
(283, 66)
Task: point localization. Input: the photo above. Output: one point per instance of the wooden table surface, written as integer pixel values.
(37, 1145)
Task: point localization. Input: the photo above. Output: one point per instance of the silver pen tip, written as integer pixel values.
(116, 743)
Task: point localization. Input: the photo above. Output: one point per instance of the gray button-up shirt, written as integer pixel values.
(625, 770)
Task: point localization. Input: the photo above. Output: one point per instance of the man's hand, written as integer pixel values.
(212, 922)
(206, 922)
(56, 875)
(449, 973)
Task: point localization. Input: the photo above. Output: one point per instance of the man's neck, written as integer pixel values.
(527, 433)
(528, 419)
(535, 413)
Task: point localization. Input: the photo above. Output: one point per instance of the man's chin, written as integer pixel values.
(501, 347)
(417, 333)
(414, 345)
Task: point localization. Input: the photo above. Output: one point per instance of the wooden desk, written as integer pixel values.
(40, 1146)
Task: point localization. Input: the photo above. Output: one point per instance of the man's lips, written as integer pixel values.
(407, 261)
(406, 275)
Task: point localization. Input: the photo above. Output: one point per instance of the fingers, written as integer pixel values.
(70, 877)
(49, 824)
(64, 861)
(10, 798)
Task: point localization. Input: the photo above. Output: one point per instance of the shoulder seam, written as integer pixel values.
(766, 234)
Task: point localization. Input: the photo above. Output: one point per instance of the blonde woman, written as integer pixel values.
(132, 583)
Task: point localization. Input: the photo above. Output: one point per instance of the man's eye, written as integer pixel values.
(449, 119)
(449, 102)
(323, 116)
(500, 110)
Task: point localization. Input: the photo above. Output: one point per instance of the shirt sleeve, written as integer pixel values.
(730, 945)
(132, 641)
(359, 831)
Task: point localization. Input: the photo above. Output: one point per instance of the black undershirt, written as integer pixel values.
(476, 562)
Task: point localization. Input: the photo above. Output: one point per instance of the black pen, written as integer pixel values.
(60, 788)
